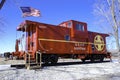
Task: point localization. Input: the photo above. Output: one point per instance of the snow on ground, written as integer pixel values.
(3, 67)
(3, 61)
(91, 71)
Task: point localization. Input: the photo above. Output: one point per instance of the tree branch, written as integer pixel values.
(2, 3)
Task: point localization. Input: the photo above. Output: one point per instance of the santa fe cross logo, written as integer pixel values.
(99, 42)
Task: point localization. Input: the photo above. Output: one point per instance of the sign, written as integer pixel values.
(99, 42)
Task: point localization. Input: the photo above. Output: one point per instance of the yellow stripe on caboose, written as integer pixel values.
(54, 40)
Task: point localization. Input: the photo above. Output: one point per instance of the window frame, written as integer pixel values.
(67, 37)
(69, 24)
(79, 27)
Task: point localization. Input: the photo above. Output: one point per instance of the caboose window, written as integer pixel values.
(80, 27)
(67, 37)
(69, 24)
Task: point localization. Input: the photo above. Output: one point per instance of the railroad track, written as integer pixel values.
(20, 66)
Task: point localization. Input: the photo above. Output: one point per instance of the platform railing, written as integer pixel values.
(27, 59)
(36, 63)
(39, 62)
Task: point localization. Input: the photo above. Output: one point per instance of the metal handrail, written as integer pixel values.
(38, 52)
(28, 57)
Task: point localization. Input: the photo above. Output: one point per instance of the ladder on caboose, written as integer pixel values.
(33, 63)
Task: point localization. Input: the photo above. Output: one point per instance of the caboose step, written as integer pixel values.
(32, 63)
(33, 67)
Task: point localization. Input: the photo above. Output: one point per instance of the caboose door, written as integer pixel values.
(31, 38)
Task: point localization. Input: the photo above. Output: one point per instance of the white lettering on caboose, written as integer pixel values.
(79, 48)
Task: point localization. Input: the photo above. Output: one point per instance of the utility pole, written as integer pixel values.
(2, 3)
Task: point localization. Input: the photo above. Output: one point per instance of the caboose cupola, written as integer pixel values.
(78, 29)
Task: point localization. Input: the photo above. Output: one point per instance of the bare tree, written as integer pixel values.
(109, 10)
(2, 3)
(1, 18)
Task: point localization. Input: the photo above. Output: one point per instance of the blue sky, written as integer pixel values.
(52, 11)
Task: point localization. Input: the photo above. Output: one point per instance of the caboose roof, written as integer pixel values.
(106, 35)
(72, 21)
(24, 25)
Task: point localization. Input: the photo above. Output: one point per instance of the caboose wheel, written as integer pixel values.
(92, 59)
(53, 59)
(46, 61)
(74, 56)
(101, 58)
(83, 60)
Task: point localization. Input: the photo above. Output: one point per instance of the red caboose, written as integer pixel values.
(70, 39)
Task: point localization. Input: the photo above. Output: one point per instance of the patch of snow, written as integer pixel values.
(90, 71)
(115, 61)
(3, 67)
